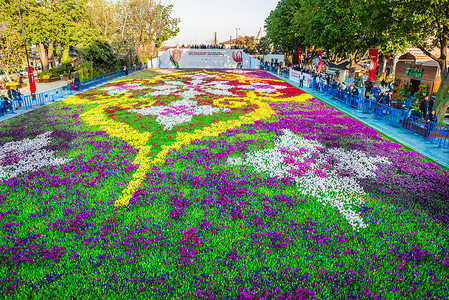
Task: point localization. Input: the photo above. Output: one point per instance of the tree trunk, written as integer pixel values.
(43, 57)
(442, 97)
(384, 65)
(8, 77)
(353, 63)
(50, 52)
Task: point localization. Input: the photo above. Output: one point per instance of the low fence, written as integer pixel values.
(432, 132)
(285, 73)
(40, 99)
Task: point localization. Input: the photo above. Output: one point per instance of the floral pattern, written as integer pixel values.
(26, 156)
(215, 184)
(178, 112)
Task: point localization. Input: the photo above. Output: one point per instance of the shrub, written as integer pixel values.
(46, 76)
(66, 75)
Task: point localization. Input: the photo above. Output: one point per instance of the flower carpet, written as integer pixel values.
(218, 184)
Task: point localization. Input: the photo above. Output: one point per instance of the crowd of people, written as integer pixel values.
(381, 92)
(7, 100)
(203, 46)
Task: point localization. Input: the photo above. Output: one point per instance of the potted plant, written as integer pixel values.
(422, 92)
(14, 85)
(66, 76)
(46, 78)
(402, 92)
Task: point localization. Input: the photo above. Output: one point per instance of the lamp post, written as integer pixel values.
(90, 4)
(25, 46)
(236, 35)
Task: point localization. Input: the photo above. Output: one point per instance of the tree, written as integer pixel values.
(336, 28)
(250, 45)
(47, 22)
(12, 54)
(263, 47)
(149, 23)
(135, 25)
(100, 54)
(425, 25)
(282, 30)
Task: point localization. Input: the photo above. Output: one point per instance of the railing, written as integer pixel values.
(432, 132)
(40, 99)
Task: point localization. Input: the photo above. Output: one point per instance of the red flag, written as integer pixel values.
(31, 80)
(373, 53)
(320, 64)
(131, 56)
(299, 56)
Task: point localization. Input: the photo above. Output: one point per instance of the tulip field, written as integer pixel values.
(215, 184)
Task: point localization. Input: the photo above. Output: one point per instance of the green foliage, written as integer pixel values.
(250, 45)
(422, 92)
(263, 47)
(425, 25)
(65, 55)
(55, 72)
(100, 54)
(12, 52)
(282, 30)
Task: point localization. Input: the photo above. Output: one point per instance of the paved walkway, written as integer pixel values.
(403, 136)
(40, 88)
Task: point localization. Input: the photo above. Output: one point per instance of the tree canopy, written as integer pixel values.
(128, 26)
(346, 29)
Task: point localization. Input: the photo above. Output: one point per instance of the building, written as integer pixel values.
(414, 68)
(241, 40)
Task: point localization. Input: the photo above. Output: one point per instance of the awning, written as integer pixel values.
(332, 71)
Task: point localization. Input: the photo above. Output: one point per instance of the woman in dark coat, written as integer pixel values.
(423, 108)
(431, 120)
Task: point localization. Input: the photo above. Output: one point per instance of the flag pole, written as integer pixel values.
(24, 43)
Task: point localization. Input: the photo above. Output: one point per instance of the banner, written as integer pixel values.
(299, 56)
(294, 76)
(373, 53)
(31, 80)
(205, 58)
(320, 63)
(131, 58)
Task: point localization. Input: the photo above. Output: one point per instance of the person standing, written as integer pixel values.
(431, 120)
(431, 104)
(19, 98)
(11, 93)
(301, 79)
(388, 98)
(355, 95)
(423, 108)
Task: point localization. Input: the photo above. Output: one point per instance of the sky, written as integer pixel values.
(201, 18)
